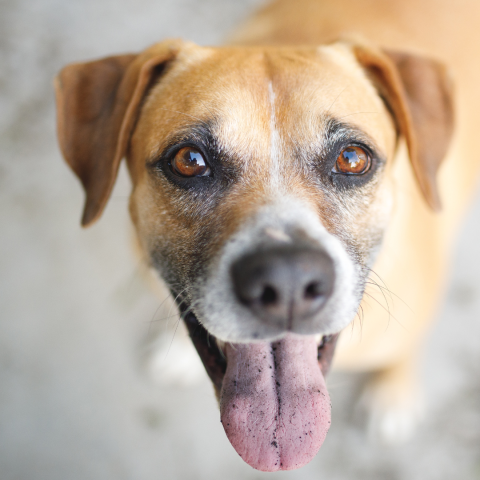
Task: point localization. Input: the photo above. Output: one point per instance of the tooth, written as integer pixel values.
(318, 339)
(220, 344)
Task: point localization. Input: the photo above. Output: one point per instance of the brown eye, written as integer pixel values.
(353, 161)
(189, 162)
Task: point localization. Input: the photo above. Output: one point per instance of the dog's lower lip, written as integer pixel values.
(206, 345)
(320, 339)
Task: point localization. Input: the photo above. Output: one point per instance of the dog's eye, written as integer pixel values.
(189, 162)
(352, 161)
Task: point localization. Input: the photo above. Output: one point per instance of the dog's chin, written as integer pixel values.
(274, 404)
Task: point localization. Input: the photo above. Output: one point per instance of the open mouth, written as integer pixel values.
(274, 404)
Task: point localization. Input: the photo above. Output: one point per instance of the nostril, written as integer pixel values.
(313, 291)
(269, 296)
(283, 284)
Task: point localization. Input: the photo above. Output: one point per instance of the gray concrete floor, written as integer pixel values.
(75, 401)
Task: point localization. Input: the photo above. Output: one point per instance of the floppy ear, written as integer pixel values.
(97, 107)
(419, 93)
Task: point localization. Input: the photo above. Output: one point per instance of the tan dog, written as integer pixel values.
(281, 191)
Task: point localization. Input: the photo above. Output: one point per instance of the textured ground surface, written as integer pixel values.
(75, 401)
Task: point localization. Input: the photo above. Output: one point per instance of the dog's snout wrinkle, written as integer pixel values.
(284, 284)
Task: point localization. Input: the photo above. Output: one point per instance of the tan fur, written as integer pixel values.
(414, 259)
(174, 85)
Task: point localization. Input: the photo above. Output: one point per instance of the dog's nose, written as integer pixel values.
(284, 284)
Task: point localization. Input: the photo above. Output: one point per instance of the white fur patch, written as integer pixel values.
(226, 318)
(275, 149)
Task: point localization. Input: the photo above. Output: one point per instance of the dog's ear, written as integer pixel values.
(419, 93)
(97, 107)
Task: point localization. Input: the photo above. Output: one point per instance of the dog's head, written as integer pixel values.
(261, 192)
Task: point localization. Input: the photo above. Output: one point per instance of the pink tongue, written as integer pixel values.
(274, 404)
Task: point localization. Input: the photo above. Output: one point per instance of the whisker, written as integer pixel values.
(183, 113)
(356, 113)
(335, 99)
(211, 113)
(371, 282)
(360, 315)
(175, 300)
(389, 291)
(176, 328)
(385, 286)
(390, 315)
(382, 290)
(156, 311)
(152, 321)
(163, 319)
(171, 341)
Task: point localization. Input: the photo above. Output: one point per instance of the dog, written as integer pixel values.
(308, 176)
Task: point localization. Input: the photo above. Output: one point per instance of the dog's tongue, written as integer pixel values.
(274, 404)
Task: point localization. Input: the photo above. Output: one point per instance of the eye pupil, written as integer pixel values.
(353, 160)
(189, 162)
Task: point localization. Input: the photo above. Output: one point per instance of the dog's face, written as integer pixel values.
(249, 161)
(262, 188)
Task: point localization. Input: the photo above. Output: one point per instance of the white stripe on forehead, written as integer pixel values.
(274, 141)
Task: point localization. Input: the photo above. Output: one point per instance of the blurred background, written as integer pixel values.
(81, 332)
